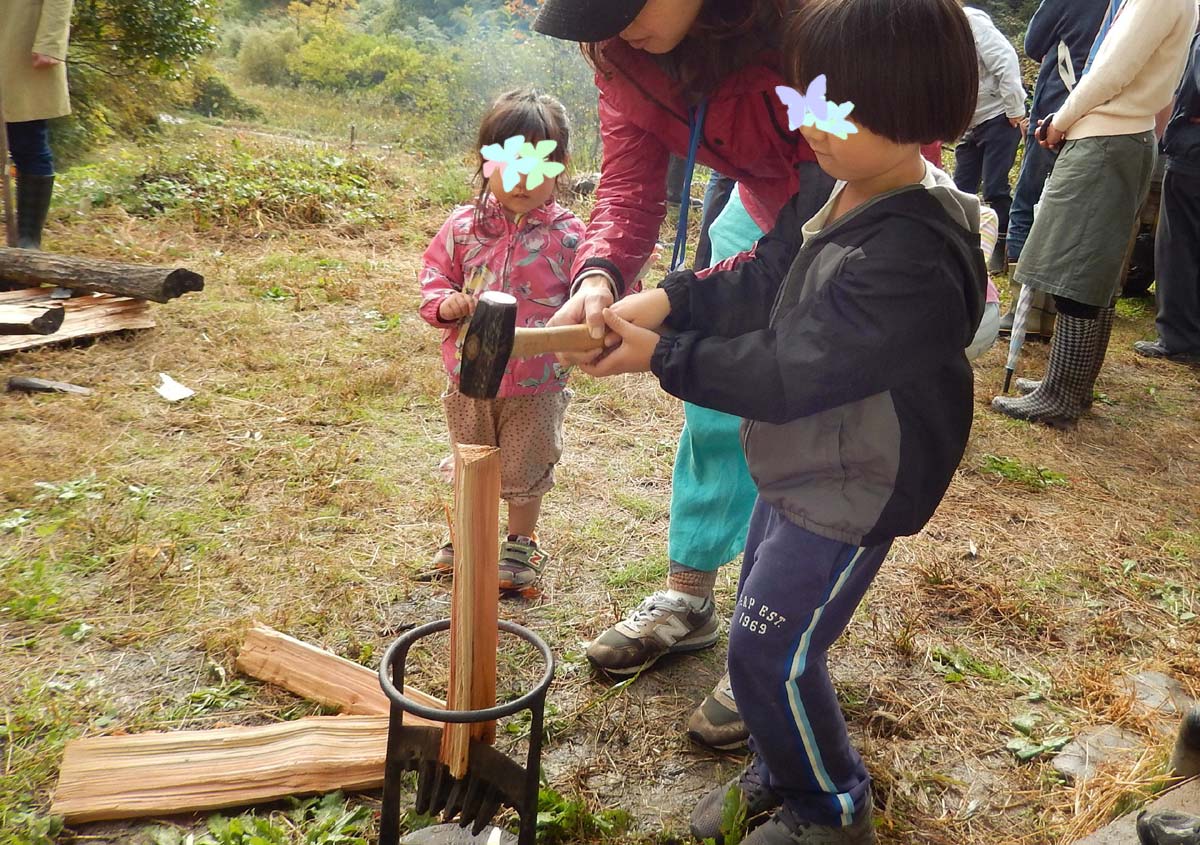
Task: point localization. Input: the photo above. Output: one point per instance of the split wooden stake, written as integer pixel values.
(474, 605)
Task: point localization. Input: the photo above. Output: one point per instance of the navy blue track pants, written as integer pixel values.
(798, 592)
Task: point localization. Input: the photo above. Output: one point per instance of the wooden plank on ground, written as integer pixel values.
(85, 316)
(155, 774)
(1123, 831)
(318, 675)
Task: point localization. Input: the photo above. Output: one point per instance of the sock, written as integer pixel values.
(691, 585)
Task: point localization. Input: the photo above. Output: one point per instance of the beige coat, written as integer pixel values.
(28, 27)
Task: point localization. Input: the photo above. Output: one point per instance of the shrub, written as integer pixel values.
(263, 59)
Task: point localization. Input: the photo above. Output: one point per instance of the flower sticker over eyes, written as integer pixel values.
(810, 108)
(517, 158)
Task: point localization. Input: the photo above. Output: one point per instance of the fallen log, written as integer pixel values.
(29, 319)
(152, 774)
(158, 284)
(318, 675)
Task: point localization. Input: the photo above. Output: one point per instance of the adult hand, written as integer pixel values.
(632, 356)
(586, 306)
(1049, 135)
(1021, 123)
(455, 307)
(41, 60)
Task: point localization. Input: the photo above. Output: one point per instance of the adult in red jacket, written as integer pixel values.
(669, 71)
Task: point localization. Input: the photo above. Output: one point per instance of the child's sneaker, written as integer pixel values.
(443, 560)
(521, 562)
(785, 828)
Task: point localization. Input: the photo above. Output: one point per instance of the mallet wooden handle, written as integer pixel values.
(530, 342)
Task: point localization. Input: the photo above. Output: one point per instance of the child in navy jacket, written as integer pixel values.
(842, 345)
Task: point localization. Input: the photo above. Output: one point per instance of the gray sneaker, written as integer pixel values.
(784, 828)
(714, 816)
(659, 625)
(716, 723)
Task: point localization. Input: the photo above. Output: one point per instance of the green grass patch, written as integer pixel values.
(1019, 472)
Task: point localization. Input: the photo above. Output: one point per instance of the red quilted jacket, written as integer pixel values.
(644, 118)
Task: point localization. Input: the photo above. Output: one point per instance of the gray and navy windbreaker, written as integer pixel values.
(845, 356)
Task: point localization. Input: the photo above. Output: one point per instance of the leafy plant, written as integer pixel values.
(563, 820)
(1012, 469)
(69, 491)
(225, 697)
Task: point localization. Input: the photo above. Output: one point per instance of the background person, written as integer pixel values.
(988, 148)
(33, 89)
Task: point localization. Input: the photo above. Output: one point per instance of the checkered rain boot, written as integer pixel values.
(1075, 357)
(1104, 322)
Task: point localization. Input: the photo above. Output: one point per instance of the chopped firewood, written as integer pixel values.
(152, 774)
(158, 284)
(318, 675)
(28, 384)
(30, 319)
(83, 316)
(474, 631)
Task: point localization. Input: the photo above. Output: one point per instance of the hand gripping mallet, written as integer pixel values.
(492, 338)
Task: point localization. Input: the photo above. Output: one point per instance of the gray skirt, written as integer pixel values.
(1085, 219)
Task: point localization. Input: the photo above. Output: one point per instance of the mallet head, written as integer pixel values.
(487, 345)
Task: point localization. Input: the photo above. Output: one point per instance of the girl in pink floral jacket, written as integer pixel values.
(522, 242)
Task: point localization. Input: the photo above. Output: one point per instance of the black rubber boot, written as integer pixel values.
(1168, 827)
(33, 204)
(1058, 400)
(1025, 386)
(998, 260)
(1185, 760)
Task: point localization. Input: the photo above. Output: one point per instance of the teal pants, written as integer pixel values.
(712, 494)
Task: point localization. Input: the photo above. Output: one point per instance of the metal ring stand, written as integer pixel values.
(492, 780)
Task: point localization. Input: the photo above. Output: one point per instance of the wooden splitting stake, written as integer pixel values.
(474, 606)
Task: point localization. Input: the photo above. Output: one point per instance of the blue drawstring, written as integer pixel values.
(696, 121)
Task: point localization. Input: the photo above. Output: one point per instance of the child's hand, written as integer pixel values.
(631, 356)
(646, 310)
(455, 307)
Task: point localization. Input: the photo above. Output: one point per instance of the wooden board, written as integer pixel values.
(86, 316)
(318, 675)
(474, 604)
(155, 774)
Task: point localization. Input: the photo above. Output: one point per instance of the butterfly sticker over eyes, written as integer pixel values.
(534, 166)
(810, 108)
(517, 158)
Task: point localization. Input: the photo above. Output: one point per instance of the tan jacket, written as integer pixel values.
(28, 27)
(1135, 72)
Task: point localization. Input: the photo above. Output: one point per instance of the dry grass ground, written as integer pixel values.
(299, 488)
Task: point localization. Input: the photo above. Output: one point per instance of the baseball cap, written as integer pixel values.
(586, 20)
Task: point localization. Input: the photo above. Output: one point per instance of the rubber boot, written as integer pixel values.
(1168, 827)
(1185, 760)
(998, 261)
(1014, 294)
(1058, 400)
(1026, 386)
(33, 204)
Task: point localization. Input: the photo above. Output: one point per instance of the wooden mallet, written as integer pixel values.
(492, 338)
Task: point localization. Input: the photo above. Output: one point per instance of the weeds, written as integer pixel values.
(566, 820)
(1013, 469)
(327, 820)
